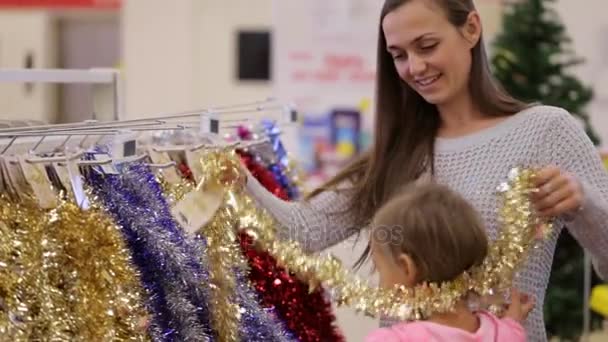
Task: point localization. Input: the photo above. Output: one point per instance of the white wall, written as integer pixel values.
(588, 28)
(158, 56)
(22, 33)
(217, 24)
(180, 55)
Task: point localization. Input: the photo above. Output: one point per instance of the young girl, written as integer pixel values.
(430, 234)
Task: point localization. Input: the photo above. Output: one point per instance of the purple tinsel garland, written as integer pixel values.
(279, 167)
(172, 265)
(257, 323)
(161, 262)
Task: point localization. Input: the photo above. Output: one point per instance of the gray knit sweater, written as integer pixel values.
(474, 165)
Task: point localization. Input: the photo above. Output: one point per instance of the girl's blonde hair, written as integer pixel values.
(436, 227)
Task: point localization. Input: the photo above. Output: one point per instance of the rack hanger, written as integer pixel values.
(162, 166)
(86, 133)
(80, 127)
(106, 84)
(156, 118)
(56, 159)
(210, 121)
(210, 115)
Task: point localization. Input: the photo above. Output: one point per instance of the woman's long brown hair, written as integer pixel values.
(406, 125)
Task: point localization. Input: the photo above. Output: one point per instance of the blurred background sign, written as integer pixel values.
(62, 3)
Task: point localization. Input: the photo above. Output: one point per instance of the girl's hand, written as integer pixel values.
(558, 192)
(520, 307)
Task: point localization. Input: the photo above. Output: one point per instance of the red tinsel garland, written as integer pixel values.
(264, 176)
(306, 314)
(185, 171)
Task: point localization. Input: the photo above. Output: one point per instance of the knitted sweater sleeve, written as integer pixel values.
(572, 151)
(317, 223)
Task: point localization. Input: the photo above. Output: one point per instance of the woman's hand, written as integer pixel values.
(234, 175)
(558, 192)
(520, 307)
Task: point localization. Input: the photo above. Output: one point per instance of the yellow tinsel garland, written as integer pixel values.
(521, 231)
(517, 236)
(65, 274)
(225, 258)
(100, 278)
(222, 253)
(33, 306)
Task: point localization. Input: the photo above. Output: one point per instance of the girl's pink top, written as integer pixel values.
(491, 329)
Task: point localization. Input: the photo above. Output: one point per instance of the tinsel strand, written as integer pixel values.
(64, 279)
(155, 246)
(106, 298)
(161, 326)
(257, 324)
(519, 224)
(518, 236)
(34, 306)
(191, 271)
(308, 314)
(224, 257)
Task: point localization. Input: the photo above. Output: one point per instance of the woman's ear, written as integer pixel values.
(410, 271)
(472, 29)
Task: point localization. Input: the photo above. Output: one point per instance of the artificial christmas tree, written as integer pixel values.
(532, 57)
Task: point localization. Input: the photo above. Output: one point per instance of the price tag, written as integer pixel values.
(193, 158)
(77, 185)
(16, 174)
(197, 208)
(36, 177)
(64, 176)
(123, 145)
(170, 174)
(9, 171)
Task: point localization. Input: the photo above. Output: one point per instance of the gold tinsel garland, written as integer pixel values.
(519, 228)
(65, 274)
(224, 257)
(107, 297)
(174, 192)
(521, 231)
(33, 305)
(223, 253)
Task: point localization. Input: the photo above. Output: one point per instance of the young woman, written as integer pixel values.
(439, 114)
